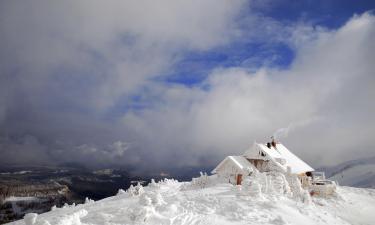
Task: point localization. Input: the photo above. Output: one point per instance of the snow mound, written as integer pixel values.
(30, 218)
(69, 219)
(263, 198)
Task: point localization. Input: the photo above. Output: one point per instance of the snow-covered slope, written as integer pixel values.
(262, 199)
(355, 173)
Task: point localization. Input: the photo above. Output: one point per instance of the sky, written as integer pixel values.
(158, 85)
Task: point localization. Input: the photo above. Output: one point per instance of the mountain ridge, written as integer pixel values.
(355, 173)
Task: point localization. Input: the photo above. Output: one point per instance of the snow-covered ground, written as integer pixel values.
(271, 199)
(17, 199)
(17, 173)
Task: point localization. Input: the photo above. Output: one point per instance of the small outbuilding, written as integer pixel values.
(234, 169)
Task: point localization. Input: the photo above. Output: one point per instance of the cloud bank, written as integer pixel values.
(79, 83)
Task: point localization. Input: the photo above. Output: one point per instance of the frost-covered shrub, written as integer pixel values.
(131, 190)
(168, 181)
(203, 181)
(146, 208)
(296, 189)
(251, 187)
(87, 200)
(305, 197)
(157, 199)
(153, 184)
(135, 191)
(145, 200)
(253, 184)
(119, 192)
(272, 184)
(151, 198)
(278, 183)
(66, 205)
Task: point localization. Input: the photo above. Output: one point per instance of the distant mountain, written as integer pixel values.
(355, 173)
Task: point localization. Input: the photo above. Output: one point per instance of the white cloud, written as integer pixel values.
(327, 91)
(118, 148)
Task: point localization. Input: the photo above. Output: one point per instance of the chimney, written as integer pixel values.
(273, 142)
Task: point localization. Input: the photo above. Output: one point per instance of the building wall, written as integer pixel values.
(229, 171)
(261, 165)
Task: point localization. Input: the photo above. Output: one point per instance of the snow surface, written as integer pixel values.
(264, 198)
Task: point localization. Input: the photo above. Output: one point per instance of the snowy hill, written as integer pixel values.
(355, 173)
(262, 199)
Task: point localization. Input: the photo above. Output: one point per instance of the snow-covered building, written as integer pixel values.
(264, 158)
(272, 157)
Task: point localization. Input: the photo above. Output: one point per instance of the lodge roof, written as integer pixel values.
(278, 153)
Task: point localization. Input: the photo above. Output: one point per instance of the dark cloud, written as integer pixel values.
(69, 69)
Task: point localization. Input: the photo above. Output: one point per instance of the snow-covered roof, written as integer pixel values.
(239, 161)
(280, 152)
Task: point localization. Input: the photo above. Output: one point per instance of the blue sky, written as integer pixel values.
(194, 67)
(184, 83)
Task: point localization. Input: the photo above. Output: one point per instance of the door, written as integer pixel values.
(239, 179)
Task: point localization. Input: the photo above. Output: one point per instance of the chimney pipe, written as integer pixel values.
(273, 143)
